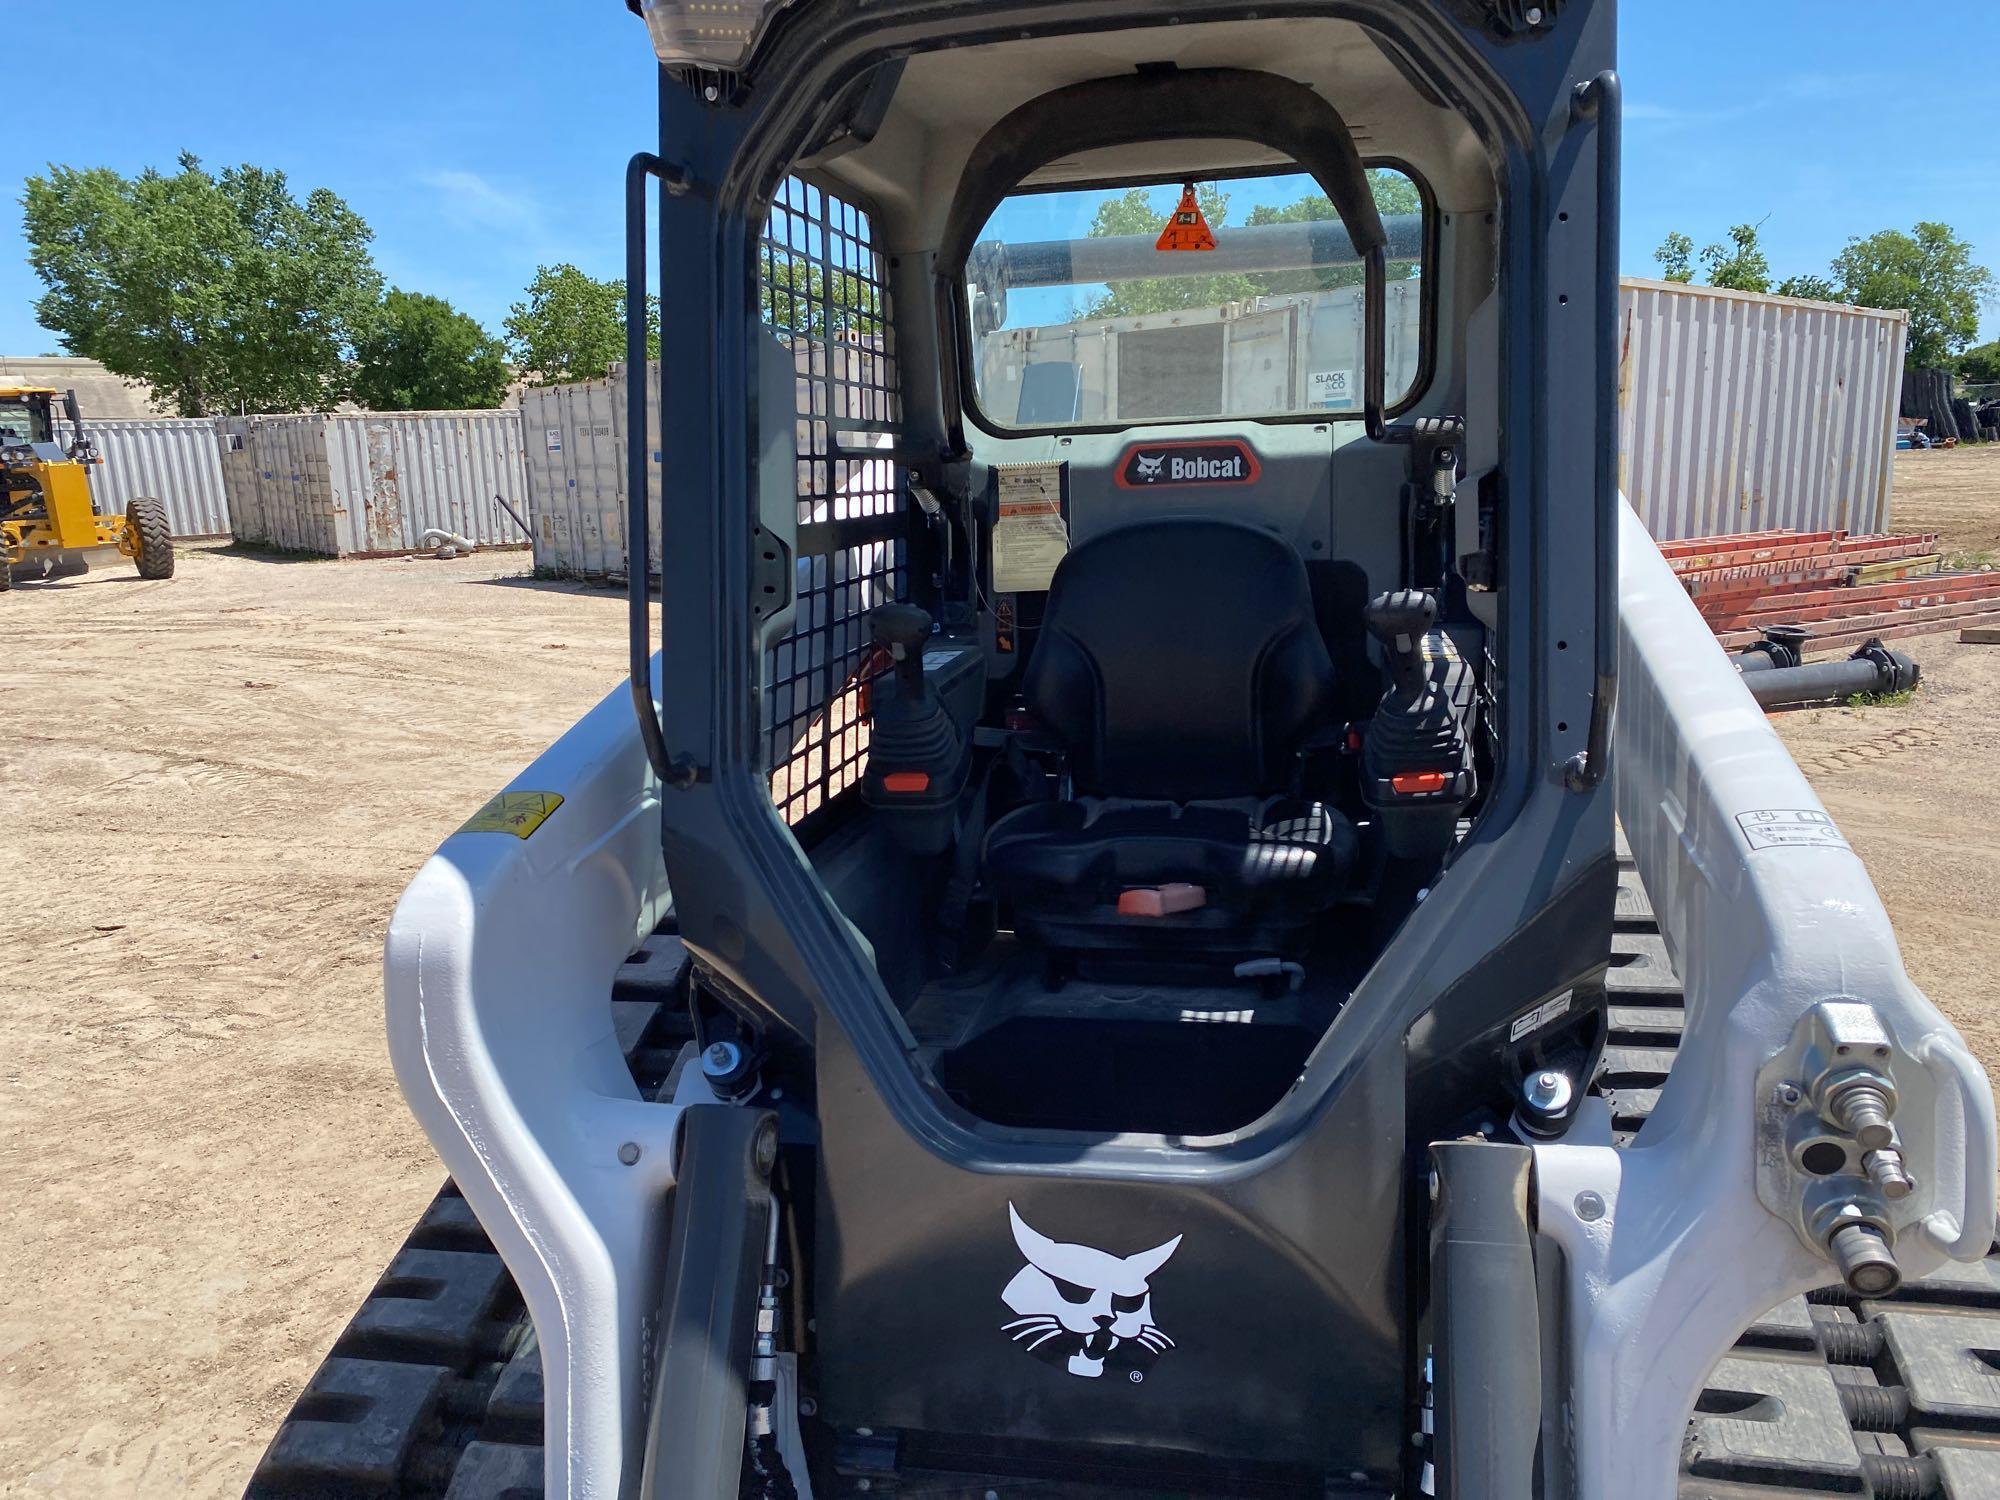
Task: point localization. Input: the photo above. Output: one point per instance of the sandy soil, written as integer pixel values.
(215, 789)
(1956, 492)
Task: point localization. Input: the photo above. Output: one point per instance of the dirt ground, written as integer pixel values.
(1955, 492)
(215, 790)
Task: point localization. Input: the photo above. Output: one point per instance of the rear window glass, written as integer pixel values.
(1078, 320)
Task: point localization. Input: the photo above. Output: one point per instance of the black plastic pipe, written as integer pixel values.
(1486, 1316)
(638, 433)
(1872, 669)
(1602, 99)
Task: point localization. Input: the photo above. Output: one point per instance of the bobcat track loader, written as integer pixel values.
(1104, 963)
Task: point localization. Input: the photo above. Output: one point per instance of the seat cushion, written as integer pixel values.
(1271, 859)
(1180, 661)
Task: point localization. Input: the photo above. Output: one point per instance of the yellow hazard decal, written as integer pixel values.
(518, 813)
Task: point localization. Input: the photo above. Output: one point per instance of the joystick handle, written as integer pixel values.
(1400, 621)
(902, 629)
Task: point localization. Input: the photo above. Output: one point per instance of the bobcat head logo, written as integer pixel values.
(1149, 466)
(1084, 1309)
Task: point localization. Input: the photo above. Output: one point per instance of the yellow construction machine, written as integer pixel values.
(48, 519)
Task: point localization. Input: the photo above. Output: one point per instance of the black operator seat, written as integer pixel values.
(1181, 669)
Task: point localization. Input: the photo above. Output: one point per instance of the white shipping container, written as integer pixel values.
(1744, 412)
(173, 459)
(371, 483)
(577, 494)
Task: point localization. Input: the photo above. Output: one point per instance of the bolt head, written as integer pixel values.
(1590, 1206)
(629, 1153)
(721, 1059)
(1534, 15)
(808, 1407)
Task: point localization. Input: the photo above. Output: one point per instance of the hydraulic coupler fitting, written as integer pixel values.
(1867, 1264)
(1860, 1102)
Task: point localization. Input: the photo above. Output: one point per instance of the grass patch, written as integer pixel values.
(1898, 699)
(1968, 562)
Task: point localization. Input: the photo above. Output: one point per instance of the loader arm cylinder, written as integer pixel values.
(708, 1303)
(1488, 1389)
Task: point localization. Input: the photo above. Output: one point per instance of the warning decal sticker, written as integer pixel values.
(1790, 830)
(1148, 466)
(1031, 538)
(518, 813)
(1539, 1017)
(1188, 228)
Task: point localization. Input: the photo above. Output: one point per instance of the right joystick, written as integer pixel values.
(1399, 622)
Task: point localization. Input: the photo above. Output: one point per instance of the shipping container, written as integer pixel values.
(1744, 412)
(575, 440)
(173, 459)
(350, 485)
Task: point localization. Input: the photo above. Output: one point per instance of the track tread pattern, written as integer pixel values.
(434, 1391)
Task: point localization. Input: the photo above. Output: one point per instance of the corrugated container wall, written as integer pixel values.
(173, 459)
(575, 437)
(1751, 413)
(350, 485)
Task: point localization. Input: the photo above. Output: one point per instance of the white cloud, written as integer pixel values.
(477, 200)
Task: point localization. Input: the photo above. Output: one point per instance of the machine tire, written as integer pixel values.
(148, 518)
(1827, 1392)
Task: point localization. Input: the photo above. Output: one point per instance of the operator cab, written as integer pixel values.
(1132, 424)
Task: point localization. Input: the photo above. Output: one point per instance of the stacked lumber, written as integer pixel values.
(1844, 589)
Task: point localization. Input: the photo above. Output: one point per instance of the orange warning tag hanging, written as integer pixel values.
(1187, 229)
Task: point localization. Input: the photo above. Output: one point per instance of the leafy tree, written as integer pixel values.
(1929, 272)
(1741, 265)
(1811, 288)
(1139, 212)
(420, 353)
(221, 292)
(1136, 213)
(1980, 366)
(792, 293)
(572, 327)
(1676, 258)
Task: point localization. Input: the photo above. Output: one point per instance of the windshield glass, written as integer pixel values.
(19, 423)
(1080, 320)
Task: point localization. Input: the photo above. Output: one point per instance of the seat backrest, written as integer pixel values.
(1180, 660)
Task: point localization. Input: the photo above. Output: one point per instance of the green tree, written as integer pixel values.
(1980, 366)
(572, 326)
(792, 293)
(223, 293)
(1811, 288)
(1740, 265)
(1139, 212)
(1135, 212)
(1929, 272)
(1676, 258)
(420, 353)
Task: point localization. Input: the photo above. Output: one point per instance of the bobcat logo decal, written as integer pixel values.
(1148, 465)
(1084, 1309)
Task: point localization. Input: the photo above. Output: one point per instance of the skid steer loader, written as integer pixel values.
(1104, 963)
(49, 523)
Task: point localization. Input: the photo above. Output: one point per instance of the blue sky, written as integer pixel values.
(480, 139)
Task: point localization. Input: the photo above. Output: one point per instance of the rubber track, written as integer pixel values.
(435, 1388)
